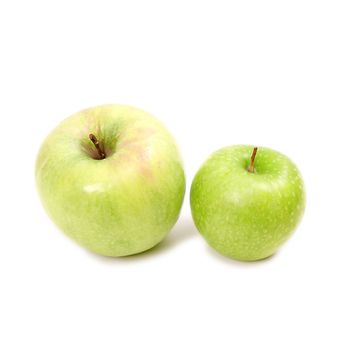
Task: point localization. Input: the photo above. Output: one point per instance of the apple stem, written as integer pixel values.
(252, 159)
(97, 145)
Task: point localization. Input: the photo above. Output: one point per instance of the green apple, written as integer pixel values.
(247, 202)
(111, 178)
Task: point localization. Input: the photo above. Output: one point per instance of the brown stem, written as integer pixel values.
(252, 158)
(97, 145)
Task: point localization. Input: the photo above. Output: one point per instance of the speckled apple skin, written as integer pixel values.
(247, 216)
(123, 204)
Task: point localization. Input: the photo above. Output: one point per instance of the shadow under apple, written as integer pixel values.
(183, 230)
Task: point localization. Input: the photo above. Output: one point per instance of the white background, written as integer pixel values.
(273, 73)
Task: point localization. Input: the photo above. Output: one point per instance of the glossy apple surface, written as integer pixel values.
(247, 215)
(120, 205)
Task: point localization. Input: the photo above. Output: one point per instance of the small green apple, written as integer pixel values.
(247, 202)
(111, 178)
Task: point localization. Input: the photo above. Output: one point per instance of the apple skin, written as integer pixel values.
(123, 204)
(243, 215)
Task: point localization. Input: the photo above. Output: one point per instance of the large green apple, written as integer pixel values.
(111, 178)
(247, 202)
